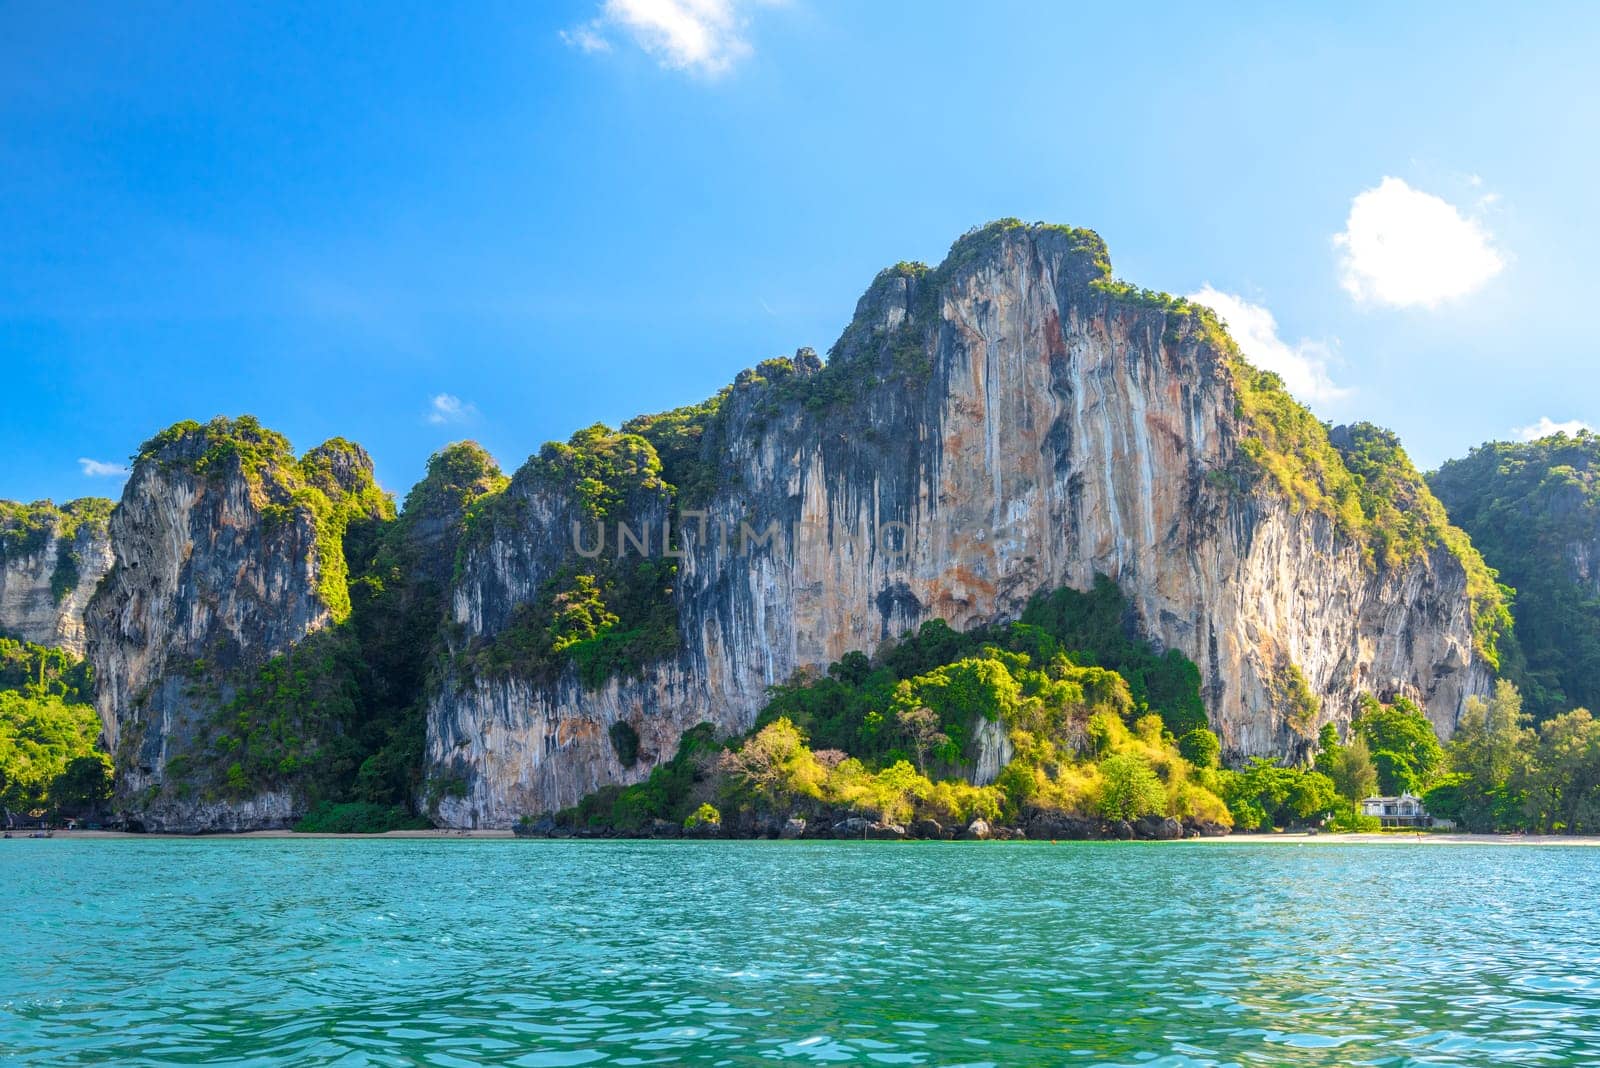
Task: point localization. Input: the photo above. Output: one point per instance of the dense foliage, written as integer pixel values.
(690, 444)
(49, 760)
(44, 671)
(1405, 751)
(26, 529)
(1507, 776)
(1265, 794)
(1534, 511)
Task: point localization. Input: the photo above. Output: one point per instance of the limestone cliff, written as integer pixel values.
(51, 560)
(1009, 422)
(227, 553)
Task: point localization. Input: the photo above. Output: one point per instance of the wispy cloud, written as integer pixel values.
(586, 38)
(1547, 426)
(1303, 366)
(1406, 248)
(447, 408)
(102, 469)
(703, 37)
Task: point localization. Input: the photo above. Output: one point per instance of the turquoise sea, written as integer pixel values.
(318, 951)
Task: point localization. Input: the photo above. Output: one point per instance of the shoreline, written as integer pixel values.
(1282, 838)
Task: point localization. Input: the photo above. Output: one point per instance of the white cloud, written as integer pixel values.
(448, 408)
(1407, 248)
(1303, 366)
(704, 37)
(1547, 426)
(586, 38)
(101, 469)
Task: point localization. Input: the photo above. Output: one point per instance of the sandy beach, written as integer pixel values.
(1397, 838)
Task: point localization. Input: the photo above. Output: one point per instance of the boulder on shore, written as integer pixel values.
(1045, 824)
(1158, 828)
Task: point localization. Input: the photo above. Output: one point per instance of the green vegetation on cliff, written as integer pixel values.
(327, 489)
(1360, 478)
(340, 717)
(1533, 509)
(218, 448)
(606, 609)
(690, 442)
(26, 529)
(610, 620)
(896, 736)
(41, 670)
(1096, 630)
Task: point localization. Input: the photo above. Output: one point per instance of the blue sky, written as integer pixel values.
(412, 224)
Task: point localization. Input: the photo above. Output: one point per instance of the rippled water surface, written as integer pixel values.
(274, 951)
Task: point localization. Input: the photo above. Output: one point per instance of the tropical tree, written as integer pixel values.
(1405, 749)
(1348, 765)
(1129, 788)
(1488, 758)
(919, 727)
(1563, 783)
(1201, 747)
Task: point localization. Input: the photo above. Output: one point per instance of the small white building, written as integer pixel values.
(1402, 811)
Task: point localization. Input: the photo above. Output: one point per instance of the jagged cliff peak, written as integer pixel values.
(1359, 478)
(456, 475)
(339, 467)
(226, 447)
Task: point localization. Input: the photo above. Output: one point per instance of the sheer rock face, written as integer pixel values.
(46, 579)
(1023, 431)
(214, 574)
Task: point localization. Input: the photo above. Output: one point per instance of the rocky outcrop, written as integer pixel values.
(227, 553)
(51, 560)
(1008, 423)
(1037, 824)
